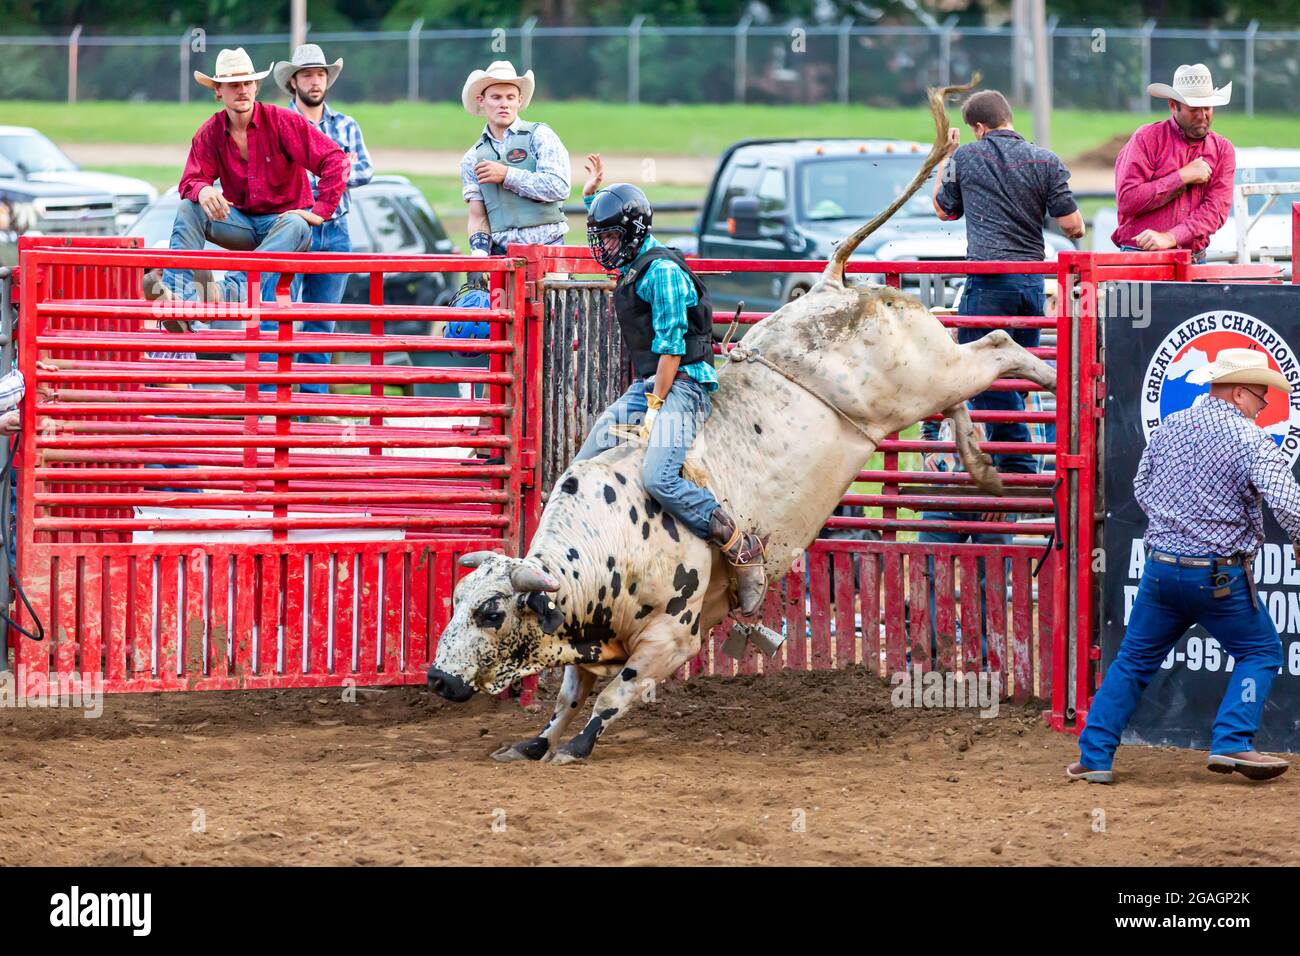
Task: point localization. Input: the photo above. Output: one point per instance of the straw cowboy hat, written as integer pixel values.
(233, 66)
(501, 71)
(1240, 367)
(306, 57)
(1192, 87)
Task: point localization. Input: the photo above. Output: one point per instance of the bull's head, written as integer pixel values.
(503, 616)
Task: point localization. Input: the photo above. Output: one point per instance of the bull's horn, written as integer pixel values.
(940, 149)
(474, 558)
(525, 577)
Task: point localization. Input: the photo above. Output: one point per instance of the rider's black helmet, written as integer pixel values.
(623, 212)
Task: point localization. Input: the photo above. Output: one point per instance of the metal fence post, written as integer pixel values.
(72, 63)
(634, 59)
(413, 60)
(185, 67)
(1148, 28)
(526, 43)
(945, 49)
(742, 56)
(1251, 29)
(1052, 22)
(846, 28)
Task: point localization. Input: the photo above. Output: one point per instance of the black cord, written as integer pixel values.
(1053, 542)
(6, 537)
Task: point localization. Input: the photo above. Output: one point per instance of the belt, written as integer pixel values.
(1185, 562)
(1214, 564)
(679, 377)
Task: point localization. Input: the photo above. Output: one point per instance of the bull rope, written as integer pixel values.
(746, 353)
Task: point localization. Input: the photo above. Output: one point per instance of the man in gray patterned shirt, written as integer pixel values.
(516, 176)
(1200, 481)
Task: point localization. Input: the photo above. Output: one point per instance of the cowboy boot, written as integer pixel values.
(744, 552)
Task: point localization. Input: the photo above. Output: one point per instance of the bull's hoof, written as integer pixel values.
(535, 749)
(562, 756)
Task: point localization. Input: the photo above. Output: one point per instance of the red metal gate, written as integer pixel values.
(124, 432)
(194, 523)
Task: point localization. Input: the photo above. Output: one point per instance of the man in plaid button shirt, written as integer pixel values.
(1200, 482)
(307, 78)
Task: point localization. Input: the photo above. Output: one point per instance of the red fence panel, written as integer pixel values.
(198, 523)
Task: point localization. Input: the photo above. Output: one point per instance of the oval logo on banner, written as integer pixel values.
(1195, 343)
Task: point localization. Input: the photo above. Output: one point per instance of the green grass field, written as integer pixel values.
(687, 130)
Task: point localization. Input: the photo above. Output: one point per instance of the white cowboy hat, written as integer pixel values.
(307, 56)
(501, 71)
(1193, 86)
(1240, 367)
(233, 66)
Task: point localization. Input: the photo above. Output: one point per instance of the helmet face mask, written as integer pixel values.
(618, 222)
(609, 248)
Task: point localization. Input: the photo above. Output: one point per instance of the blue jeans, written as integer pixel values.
(1004, 295)
(326, 287)
(684, 410)
(1171, 599)
(239, 232)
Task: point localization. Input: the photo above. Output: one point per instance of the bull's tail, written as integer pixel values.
(977, 464)
(835, 268)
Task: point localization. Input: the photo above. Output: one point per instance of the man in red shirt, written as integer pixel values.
(261, 154)
(1173, 179)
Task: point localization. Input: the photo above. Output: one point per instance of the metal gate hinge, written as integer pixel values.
(1071, 461)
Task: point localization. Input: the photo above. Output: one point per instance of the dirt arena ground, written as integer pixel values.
(715, 772)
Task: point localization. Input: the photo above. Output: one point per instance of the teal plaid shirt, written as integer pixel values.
(670, 293)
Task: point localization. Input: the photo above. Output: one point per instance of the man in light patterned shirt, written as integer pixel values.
(1200, 481)
(516, 177)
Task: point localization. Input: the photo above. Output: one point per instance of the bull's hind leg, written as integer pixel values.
(658, 655)
(977, 464)
(574, 689)
(997, 355)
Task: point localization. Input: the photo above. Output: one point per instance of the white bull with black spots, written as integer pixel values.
(613, 587)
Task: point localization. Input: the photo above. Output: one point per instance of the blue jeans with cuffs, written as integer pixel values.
(684, 410)
(1171, 599)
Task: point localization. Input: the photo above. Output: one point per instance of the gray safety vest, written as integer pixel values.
(507, 209)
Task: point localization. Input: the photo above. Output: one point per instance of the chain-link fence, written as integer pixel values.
(1090, 67)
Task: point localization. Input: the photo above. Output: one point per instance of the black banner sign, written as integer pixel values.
(1155, 334)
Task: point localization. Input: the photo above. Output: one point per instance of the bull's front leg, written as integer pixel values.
(656, 658)
(574, 689)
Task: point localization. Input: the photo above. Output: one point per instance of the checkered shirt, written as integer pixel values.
(549, 182)
(1201, 480)
(343, 129)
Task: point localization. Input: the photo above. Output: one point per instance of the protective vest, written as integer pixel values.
(635, 315)
(507, 209)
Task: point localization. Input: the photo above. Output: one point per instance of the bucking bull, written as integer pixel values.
(612, 587)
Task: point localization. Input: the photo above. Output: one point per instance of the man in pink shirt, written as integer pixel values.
(1173, 179)
(261, 154)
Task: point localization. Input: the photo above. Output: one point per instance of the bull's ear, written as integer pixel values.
(549, 615)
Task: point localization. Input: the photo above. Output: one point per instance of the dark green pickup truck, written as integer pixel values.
(797, 198)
